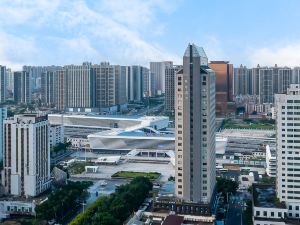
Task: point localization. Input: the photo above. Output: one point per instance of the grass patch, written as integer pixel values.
(78, 167)
(263, 125)
(131, 174)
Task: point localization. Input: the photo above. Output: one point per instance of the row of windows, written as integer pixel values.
(291, 124)
(265, 213)
(293, 101)
(290, 113)
(291, 107)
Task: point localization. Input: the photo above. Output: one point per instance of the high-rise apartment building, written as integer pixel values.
(3, 116)
(49, 87)
(3, 83)
(79, 86)
(110, 88)
(22, 87)
(158, 70)
(255, 80)
(10, 80)
(296, 75)
(195, 128)
(170, 75)
(36, 73)
(266, 86)
(26, 155)
(134, 82)
(273, 80)
(224, 77)
(287, 108)
(242, 81)
(61, 98)
(147, 83)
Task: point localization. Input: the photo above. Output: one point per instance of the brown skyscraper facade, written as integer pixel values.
(224, 94)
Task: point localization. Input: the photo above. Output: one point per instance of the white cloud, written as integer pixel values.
(14, 12)
(213, 48)
(16, 51)
(75, 50)
(118, 34)
(288, 55)
(136, 13)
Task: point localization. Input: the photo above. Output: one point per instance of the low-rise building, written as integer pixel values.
(267, 209)
(78, 141)
(271, 161)
(56, 135)
(16, 207)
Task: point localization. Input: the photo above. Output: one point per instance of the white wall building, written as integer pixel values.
(78, 141)
(288, 149)
(8, 207)
(26, 155)
(265, 210)
(158, 70)
(3, 115)
(56, 135)
(270, 161)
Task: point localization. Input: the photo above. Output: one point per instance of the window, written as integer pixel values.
(257, 213)
(272, 214)
(265, 213)
(279, 214)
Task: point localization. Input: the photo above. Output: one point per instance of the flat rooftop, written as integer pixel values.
(113, 117)
(141, 134)
(265, 196)
(118, 116)
(248, 133)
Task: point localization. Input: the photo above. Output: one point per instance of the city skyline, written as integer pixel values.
(120, 32)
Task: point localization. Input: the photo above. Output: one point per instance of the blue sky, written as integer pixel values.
(59, 32)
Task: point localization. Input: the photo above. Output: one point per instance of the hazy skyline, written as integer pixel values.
(48, 32)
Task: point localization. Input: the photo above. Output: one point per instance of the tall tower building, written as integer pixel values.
(255, 80)
(10, 80)
(170, 75)
(61, 98)
(22, 87)
(158, 69)
(285, 78)
(79, 86)
(242, 81)
(3, 116)
(195, 128)
(296, 75)
(110, 88)
(49, 87)
(134, 82)
(266, 85)
(3, 83)
(224, 77)
(288, 148)
(26, 155)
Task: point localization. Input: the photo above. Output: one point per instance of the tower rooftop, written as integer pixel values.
(196, 52)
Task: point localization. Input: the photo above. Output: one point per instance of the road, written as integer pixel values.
(107, 189)
(234, 213)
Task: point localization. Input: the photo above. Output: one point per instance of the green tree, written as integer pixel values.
(225, 187)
